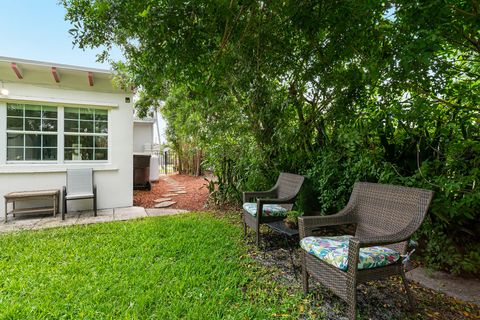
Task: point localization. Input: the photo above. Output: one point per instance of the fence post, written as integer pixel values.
(165, 160)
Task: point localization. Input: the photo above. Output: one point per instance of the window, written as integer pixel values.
(86, 134)
(31, 133)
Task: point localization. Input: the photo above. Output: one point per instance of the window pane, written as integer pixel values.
(15, 110)
(49, 154)
(33, 154)
(86, 141)
(86, 114)
(32, 124)
(33, 140)
(101, 154)
(101, 127)
(49, 112)
(71, 113)
(101, 142)
(14, 140)
(49, 125)
(101, 115)
(49, 141)
(71, 141)
(70, 153)
(86, 126)
(33, 111)
(71, 126)
(14, 154)
(87, 154)
(14, 124)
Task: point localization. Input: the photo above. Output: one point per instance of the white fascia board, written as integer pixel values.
(52, 64)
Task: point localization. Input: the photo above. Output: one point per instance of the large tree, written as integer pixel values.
(337, 90)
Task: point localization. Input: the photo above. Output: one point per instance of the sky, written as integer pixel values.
(37, 30)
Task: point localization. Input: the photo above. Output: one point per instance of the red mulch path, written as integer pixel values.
(194, 199)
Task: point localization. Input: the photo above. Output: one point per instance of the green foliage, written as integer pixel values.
(340, 91)
(158, 268)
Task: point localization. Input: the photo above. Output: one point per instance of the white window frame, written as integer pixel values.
(89, 134)
(25, 132)
(60, 133)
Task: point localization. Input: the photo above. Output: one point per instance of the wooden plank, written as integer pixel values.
(30, 194)
(33, 210)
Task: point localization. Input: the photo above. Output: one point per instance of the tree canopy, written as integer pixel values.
(340, 91)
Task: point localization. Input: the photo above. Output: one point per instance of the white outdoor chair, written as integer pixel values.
(79, 186)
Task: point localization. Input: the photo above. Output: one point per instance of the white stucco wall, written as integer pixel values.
(142, 134)
(113, 177)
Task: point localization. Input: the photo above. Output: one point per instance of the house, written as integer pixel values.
(54, 117)
(143, 135)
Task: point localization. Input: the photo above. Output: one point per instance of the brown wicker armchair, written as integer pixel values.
(274, 203)
(384, 215)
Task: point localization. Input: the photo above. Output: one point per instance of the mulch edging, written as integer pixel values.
(194, 199)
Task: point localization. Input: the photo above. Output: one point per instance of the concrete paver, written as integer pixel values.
(121, 214)
(464, 289)
(104, 215)
(164, 212)
(165, 204)
(83, 217)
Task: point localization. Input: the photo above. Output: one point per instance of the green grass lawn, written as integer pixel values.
(191, 266)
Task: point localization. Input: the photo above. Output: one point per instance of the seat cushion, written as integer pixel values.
(269, 210)
(334, 250)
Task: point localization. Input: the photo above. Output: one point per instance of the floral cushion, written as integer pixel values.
(334, 250)
(269, 210)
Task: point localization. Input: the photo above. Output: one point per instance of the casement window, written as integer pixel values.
(31, 132)
(86, 134)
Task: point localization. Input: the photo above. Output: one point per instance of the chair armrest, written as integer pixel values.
(307, 224)
(254, 194)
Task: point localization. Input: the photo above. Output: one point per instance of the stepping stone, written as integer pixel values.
(181, 192)
(162, 200)
(169, 195)
(165, 204)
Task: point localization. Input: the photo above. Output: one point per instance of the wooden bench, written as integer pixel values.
(12, 197)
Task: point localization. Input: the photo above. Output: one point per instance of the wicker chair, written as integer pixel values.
(384, 215)
(281, 198)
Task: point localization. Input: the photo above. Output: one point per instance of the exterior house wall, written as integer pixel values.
(113, 177)
(142, 134)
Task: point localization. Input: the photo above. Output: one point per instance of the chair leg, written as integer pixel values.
(64, 204)
(257, 238)
(244, 230)
(304, 275)
(94, 201)
(411, 301)
(352, 301)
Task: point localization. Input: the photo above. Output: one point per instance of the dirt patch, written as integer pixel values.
(381, 300)
(194, 199)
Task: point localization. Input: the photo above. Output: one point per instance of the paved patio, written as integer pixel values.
(30, 222)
